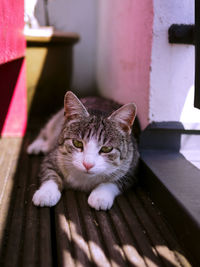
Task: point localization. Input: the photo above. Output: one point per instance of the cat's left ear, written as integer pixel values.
(73, 106)
(125, 116)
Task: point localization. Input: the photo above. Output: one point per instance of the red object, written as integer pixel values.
(13, 108)
(13, 114)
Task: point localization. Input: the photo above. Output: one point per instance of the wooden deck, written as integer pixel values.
(132, 233)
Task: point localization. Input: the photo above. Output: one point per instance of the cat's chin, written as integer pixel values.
(85, 173)
(89, 173)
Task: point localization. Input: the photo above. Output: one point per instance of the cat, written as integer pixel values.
(89, 146)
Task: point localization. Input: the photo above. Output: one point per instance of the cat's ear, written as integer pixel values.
(73, 106)
(125, 116)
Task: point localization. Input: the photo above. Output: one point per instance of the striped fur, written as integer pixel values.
(96, 123)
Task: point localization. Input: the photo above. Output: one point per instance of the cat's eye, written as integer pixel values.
(77, 144)
(106, 149)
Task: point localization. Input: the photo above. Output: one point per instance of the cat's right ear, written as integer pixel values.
(73, 106)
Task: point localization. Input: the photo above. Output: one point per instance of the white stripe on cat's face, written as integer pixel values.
(90, 161)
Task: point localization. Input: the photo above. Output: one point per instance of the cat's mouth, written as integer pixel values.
(88, 172)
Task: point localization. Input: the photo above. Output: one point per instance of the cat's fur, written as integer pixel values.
(104, 175)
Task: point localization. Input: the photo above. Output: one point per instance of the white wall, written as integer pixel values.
(81, 17)
(172, 75)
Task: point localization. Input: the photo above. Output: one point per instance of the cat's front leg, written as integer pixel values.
(102, 197)
(38, 146)
(47, 195)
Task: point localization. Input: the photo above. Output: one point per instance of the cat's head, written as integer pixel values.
(96, 144)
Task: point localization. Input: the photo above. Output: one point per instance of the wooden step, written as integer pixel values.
(132, 233)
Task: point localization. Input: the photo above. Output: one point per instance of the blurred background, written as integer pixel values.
(119, 49)
(124, 53)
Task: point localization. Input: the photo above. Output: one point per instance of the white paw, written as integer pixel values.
(38, 146)
(102, 197)
(47, 195)
(100, 202)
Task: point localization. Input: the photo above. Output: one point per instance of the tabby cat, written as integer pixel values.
(88, 147)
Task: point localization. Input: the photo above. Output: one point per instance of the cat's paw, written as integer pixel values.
(47, 195)
(100, 202)
(37, 147)
(102, 197)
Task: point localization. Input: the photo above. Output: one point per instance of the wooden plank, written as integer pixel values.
(162, 227)
(98, 253)
(30, 233)
(128, 244)
(111, 242)
(166, 256)
(80, 245)
(144, 247)
(14, 244)
(44, 240)
(41, 224)
(36, 249)
(9, 154)
(7, 170)
(63, 237)
(30, 226)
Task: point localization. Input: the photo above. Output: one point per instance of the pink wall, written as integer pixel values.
(12, 42)
(13, 112)
(124, 52)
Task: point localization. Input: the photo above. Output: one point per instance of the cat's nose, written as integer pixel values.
(87, 165)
